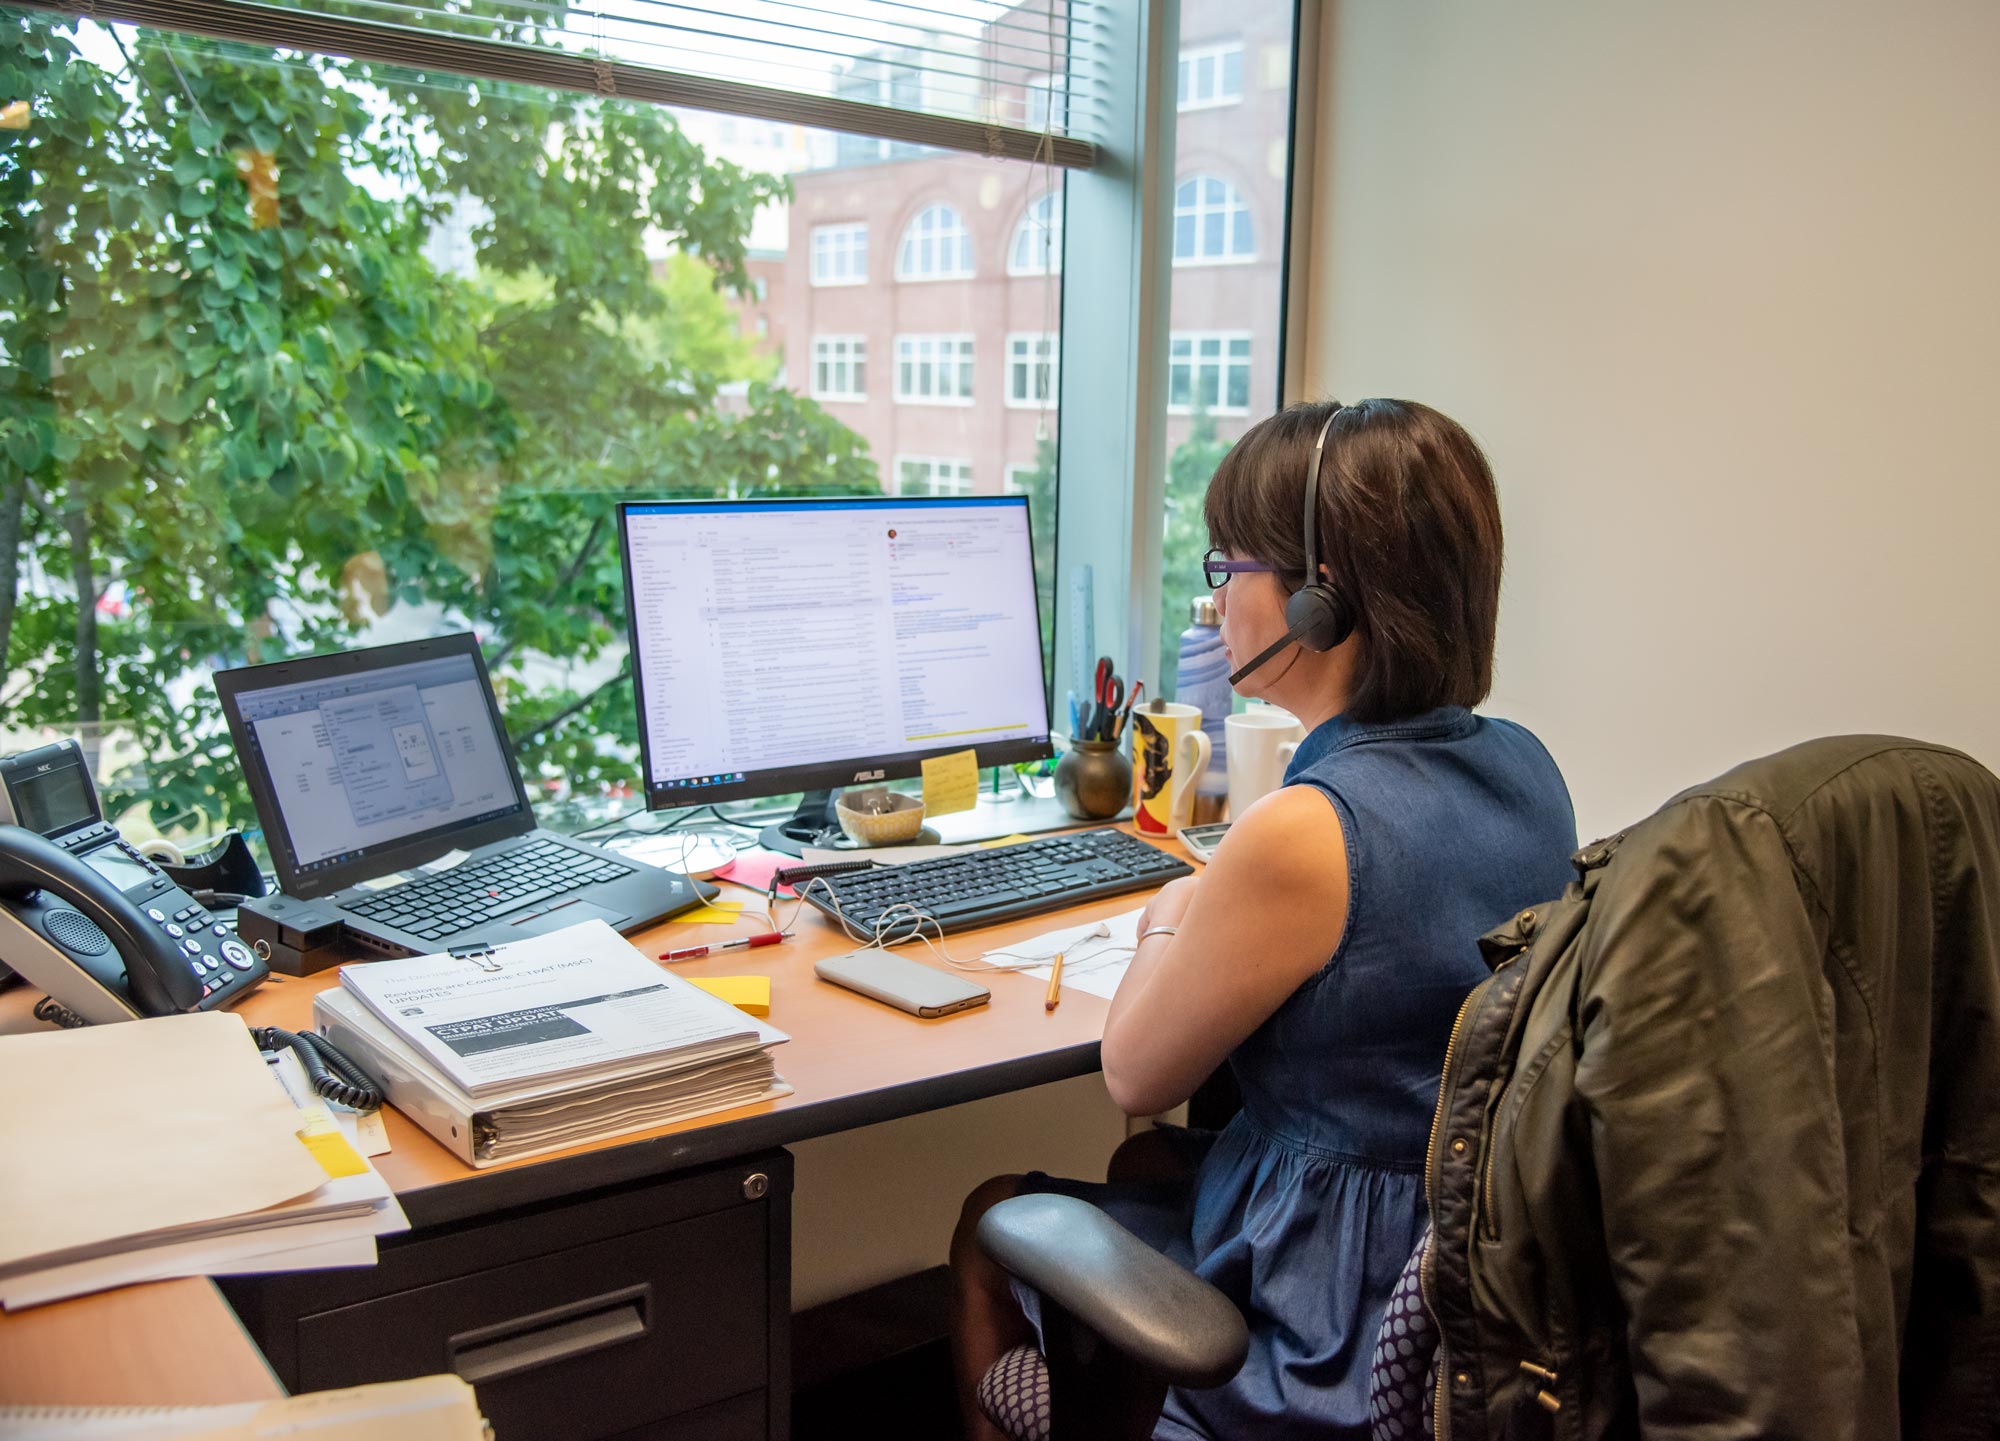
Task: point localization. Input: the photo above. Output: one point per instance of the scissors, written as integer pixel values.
(1110, 694)
(1125, 716)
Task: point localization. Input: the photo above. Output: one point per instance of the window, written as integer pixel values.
(1017, 479)
(1210, 75)
(934, 369)
(1045, 102)
(840, 255)
(761, 287)
(1031, 371)
(1208, 370)
(1211, 223)
(923, 475)
(903, 90)
(935, 247)
(840, 367)
(1037, 247)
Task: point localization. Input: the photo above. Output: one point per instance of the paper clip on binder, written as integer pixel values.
(480, 956)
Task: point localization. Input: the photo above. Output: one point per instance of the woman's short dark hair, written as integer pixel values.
(1409, 531)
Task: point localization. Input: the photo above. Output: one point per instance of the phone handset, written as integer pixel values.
(156, 972)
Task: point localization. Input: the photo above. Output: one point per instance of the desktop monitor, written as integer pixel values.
(801, 645)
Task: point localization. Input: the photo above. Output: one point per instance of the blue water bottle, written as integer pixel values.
(1201, 678)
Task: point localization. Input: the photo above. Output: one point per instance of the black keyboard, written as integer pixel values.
(981, 888)
(479, 891)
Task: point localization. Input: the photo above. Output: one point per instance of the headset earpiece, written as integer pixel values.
(1318, 616)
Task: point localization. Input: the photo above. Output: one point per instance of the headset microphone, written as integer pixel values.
(1317, 615)
(1289, 637)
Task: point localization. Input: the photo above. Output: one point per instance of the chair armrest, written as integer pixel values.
(1163, 1317)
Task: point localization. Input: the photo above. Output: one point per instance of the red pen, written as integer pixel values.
(769, 938)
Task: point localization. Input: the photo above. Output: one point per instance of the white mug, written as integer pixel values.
(1260, 744)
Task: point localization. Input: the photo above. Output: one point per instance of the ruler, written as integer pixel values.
(1082, 633)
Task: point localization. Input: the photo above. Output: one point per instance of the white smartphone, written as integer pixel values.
(901, 982)
(1201, 841)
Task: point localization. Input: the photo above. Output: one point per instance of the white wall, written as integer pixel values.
(1718, 287)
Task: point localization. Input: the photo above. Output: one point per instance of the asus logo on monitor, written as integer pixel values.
(860, 776)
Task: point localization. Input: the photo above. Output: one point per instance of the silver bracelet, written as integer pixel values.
(1152, 931)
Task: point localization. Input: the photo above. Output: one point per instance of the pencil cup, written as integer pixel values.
(1093, 780)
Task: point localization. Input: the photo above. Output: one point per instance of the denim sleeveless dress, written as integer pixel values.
(1305, 1207)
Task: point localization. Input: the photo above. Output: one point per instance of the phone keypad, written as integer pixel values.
(223, 964)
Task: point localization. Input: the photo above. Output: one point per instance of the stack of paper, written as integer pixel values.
(160, 1148)
(545, 1043)
(429, 1408)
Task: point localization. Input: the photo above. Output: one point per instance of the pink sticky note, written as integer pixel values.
(756, 870)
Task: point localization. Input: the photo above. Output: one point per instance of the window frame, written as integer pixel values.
(854, 360)
(1201, 210)
(939, 237)
(1218, 51)
(968, 344)
(1028, 363)
(848, 228)
(1220, 363)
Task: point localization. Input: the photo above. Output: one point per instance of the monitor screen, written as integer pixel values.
(785, 645)
(370, 757)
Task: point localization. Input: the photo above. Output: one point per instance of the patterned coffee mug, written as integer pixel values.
(1169, 753)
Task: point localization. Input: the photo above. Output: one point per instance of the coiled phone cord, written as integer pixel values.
(333, 1075)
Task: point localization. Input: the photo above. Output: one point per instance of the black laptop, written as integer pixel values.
(389, 794)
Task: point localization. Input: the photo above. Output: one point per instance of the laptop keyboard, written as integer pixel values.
(979, 888)
(479, 891)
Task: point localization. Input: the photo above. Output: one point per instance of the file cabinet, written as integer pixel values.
(651, 1311)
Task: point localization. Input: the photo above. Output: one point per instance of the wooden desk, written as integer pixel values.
(852, 1062)
(166, 1343)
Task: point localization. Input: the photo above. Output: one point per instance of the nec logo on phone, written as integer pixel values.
(874, 775)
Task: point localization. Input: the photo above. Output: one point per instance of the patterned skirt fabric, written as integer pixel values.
(1014, 1394)
(1404, 1368)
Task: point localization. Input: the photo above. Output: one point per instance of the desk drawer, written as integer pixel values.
(588, 1342)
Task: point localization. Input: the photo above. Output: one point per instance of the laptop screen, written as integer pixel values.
(359, 760)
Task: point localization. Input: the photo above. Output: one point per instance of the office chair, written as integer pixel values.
(1120, 1324)
(1857, 879)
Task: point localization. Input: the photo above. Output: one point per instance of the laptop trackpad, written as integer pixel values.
(537, 922)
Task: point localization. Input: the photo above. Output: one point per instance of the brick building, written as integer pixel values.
(920, 304)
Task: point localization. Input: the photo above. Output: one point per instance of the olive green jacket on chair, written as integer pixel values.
(1717, 1152)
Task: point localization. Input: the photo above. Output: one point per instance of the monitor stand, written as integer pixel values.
(814, 815)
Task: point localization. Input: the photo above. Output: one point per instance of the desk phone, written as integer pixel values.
(88, 919)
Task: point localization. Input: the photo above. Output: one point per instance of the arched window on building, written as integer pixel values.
(1211, 223)
(936, 246)
(1037, 245)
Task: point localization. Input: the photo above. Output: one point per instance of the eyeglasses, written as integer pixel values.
(1216, 571)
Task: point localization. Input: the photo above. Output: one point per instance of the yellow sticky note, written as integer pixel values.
(715, 913)
(329, 1145)
(951, 783)
(1014, 840)
(746, 993)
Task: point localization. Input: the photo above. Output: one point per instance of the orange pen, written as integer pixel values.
(1055, 984)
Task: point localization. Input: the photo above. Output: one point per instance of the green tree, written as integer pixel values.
(245, 415)
(1039, 485)
(1189, 470)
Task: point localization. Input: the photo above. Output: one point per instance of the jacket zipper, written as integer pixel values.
(1427, 1267)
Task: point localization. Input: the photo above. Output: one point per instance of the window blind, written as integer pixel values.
(982, 76)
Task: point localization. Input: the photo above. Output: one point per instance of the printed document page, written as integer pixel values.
(568, 1003)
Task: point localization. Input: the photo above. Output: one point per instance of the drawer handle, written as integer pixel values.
(561, 1333)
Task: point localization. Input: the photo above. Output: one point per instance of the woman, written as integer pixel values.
(1325, 949)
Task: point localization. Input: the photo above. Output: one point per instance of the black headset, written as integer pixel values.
(1317, 615)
